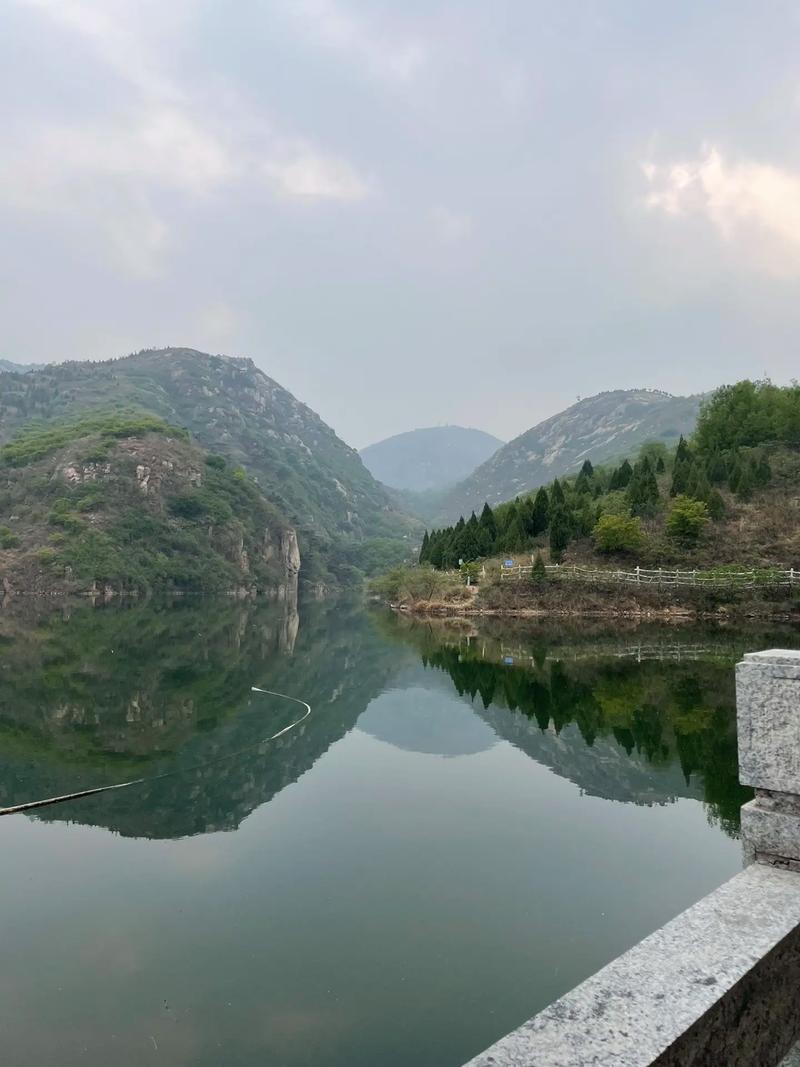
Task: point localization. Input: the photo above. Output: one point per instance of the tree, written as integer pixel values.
(560, 532)
(618, 533)
(423, 552)
(538, 570)
(687, 519)
(621, 476)
(716, 505)
(556, 494)
(540, 516)
(643, 496)
(587, 469)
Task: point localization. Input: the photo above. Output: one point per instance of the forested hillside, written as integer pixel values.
(602, 428)
(730, 494)
(232, 408)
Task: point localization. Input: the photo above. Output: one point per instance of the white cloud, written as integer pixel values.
(755, 207)
(109, 174)
(331, 25)
(301, 171)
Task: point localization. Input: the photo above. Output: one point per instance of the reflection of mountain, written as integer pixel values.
(603, 770)
(113, 693)
(419, 715)
(642, 732)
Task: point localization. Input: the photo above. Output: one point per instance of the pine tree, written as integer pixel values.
(541, 512)
(587, 469)
(660, 465)
(423, 552)
(716, 469)
(556, 494)
(560, 532)
(682, 452)
(642, 495)
(487, 522)
(680, 477)
(716, 505)
(538, 570)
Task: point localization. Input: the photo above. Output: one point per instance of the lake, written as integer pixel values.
(471, 820)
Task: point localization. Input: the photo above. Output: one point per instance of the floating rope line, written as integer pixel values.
(31, 804)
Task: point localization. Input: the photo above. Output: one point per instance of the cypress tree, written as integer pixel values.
(540, 517)
(559, 532)
(556, 494)
(587, 469)
(682, 452)
(423, 552)
(660, 465)
(642, 495)
(487, 522)
(716, 505)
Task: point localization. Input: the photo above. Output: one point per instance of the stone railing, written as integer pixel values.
(719, 986)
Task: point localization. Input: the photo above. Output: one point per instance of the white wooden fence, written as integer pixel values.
(661, 576)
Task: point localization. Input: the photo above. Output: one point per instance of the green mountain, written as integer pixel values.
(127, 503)
(600, 428)
(232, 408)
(433, 458)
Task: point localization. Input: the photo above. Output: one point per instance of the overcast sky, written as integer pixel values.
(407, 213)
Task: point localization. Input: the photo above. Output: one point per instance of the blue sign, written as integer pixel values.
(508, 562)
(508, 660)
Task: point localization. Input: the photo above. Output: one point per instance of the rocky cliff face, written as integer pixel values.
(600, 428)
(146, 511)
(232, 408)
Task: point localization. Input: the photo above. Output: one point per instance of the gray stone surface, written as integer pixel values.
(719, 985)
(771, 834)
(768, 712)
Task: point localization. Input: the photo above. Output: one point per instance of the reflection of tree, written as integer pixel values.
(121, 691)
(668, 711)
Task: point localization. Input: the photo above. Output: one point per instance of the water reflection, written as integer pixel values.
(93, 695)
(101, 694)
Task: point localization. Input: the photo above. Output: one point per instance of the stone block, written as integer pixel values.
(768, 712)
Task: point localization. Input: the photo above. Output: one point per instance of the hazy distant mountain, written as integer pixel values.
(15, 368)
(601, 428)
(429, 459)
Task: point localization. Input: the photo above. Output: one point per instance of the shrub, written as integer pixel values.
(7, 538)
(687, 519)
(538, 570)
(618, 533)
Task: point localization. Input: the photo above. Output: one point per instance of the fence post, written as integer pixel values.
(519, 576)
(638, 578)
(694, 577)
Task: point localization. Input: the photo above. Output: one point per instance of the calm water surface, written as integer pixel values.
(467, 825)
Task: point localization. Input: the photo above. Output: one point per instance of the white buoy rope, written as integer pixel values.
(31, 804)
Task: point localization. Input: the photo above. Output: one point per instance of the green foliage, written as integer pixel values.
(686, 520)
(618, 533)
(37, 440)
(749, 414)
(538, 570)
(643, 496)
(8, 539)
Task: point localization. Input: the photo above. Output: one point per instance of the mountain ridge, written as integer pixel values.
(233, 408)
(603, 427)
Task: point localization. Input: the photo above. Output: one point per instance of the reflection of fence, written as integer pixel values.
(640, 653)
(743, 579)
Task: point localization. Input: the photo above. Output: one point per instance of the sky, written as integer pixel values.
(408, 214)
